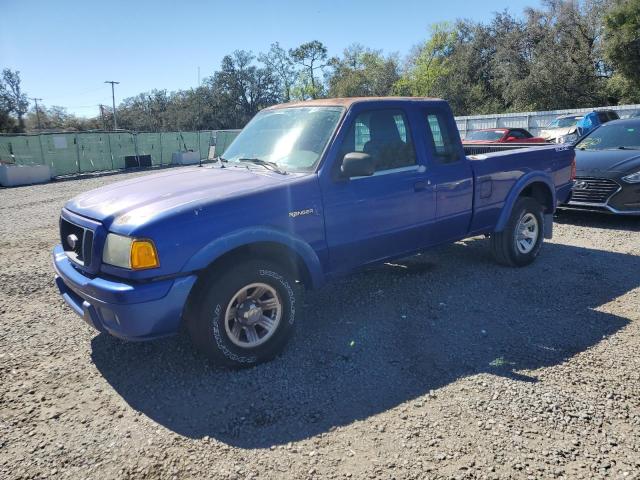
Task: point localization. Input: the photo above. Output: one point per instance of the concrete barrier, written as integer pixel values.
(185, 158)
(14, 175)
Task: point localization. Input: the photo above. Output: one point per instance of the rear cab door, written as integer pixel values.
(449, 170)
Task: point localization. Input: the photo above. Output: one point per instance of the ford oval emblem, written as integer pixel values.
(72, 241)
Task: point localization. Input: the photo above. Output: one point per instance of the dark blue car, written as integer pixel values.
(307, 192)
(608, 169)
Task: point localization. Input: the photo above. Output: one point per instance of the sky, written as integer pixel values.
(65, 50)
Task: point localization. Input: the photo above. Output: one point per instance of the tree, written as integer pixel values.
(13, 101)
(281, 64)
(58, 118)
(310, 56)
(242, 88)
(429, 64)
(146, 111)
(622, 48)
(7, 121)
(362, 72)
(550, 59)
(564, 53)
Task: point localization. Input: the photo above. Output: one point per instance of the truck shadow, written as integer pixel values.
(373, 341)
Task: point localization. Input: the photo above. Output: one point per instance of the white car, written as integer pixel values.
(562, 129)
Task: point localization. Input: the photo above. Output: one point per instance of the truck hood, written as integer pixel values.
(551, 133)
(141, 199)
(594, 162)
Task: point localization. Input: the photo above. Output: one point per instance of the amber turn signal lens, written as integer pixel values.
(144, 255)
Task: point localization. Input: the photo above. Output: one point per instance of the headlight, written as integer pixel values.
(131, 253)
(633, 178)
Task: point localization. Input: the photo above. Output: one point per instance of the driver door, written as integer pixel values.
(384, 215)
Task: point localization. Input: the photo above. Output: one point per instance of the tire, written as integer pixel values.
(229, 327)
(506, 250)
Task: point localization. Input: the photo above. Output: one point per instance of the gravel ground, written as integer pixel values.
(442, 366)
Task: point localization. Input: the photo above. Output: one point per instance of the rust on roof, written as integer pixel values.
(347, 102)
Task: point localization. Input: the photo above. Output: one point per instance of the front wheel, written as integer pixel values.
(520, 242)
(245, 314)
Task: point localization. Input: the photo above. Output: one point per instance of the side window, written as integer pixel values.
(517, 134)
(441, 138)
(383, 134)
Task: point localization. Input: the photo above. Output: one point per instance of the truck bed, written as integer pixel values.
(495, 175)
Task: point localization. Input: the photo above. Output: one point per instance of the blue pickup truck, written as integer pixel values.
(308, 191)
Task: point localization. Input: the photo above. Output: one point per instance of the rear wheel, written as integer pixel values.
(520, 242)
(245, 314)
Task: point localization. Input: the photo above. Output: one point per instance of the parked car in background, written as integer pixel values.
(608, 169)
(501, 135)
(593, 120)
(562, 129)
(567, 128)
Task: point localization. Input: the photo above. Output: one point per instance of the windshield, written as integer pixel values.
(563, 122)
(293, 138)
(612, 136)
(485, 135)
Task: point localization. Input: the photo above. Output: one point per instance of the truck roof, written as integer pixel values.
(347, 102)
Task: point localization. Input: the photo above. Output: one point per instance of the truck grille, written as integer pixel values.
(593, 190)
(77, 242)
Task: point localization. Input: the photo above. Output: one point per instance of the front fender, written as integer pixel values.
(522, 183)
(247, 236)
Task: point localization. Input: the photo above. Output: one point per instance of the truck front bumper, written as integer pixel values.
(132, 311)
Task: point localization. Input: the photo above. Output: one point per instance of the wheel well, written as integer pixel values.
(272, 251)
(539, 191)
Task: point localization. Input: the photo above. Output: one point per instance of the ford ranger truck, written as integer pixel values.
(307, 192)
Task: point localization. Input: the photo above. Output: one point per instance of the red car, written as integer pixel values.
(501, 135)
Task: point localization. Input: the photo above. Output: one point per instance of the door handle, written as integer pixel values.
(421, 185)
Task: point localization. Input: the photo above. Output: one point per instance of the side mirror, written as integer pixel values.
(357, 164)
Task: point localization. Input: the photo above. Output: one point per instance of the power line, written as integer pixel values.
(79, 106)
(75, 95)
(113, 99)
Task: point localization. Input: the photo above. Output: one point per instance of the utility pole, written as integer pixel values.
(104, 123)
(198, 93)
(113, 99)
(38, 112)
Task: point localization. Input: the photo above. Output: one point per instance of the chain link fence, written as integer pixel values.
(83, 152)
(534, 122)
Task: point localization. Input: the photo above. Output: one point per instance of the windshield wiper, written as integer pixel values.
(265, 163)
(622, 147)
(222, 161)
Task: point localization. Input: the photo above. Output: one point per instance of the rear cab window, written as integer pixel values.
(441, 138)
